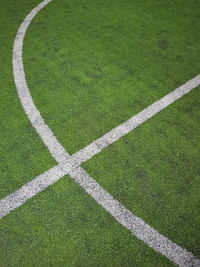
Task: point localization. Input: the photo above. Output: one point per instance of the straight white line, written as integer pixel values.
(97, 146)
(29, 190)
(136, 225)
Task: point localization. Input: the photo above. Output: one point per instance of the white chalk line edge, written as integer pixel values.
(71, 164)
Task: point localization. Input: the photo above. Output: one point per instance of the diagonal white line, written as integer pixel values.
(134, 224)
(29, 190)
(71, 164)
(97, 146)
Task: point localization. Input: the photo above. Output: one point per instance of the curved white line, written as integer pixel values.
(136, 225)
(56, 149)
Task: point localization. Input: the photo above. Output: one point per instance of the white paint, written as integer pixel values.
(27, 191)
(56, 149)
(136, 225)
(123, 129)
(70, 164)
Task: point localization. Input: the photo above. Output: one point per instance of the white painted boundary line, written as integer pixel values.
(55, 148)
(123, 129)
(29, 190)
(136, 225)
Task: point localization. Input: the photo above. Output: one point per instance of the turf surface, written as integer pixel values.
(19, 143)
(155, 171)
(64, 227)
(91, 66)
(100, 62)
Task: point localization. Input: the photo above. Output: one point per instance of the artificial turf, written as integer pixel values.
(64, 226)
(90, 66)
(98, 63)
(19, 143)
(154, 171)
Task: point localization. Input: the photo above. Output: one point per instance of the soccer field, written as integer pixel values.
(100, 133)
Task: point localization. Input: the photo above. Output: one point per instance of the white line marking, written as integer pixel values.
(123, 129)
(56, 149)
(136, 225)
(27, 191)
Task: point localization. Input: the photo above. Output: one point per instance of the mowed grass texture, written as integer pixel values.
(155, 171)
(91, 65)
(22, 153)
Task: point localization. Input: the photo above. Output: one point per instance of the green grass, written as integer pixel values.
(19, 143)
(65, 227)
(100, 62)
(90, 66)
(155, 171)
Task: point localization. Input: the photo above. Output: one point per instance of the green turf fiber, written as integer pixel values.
(155, 171)
(22, 153)
(65, 227)
(91, 65)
